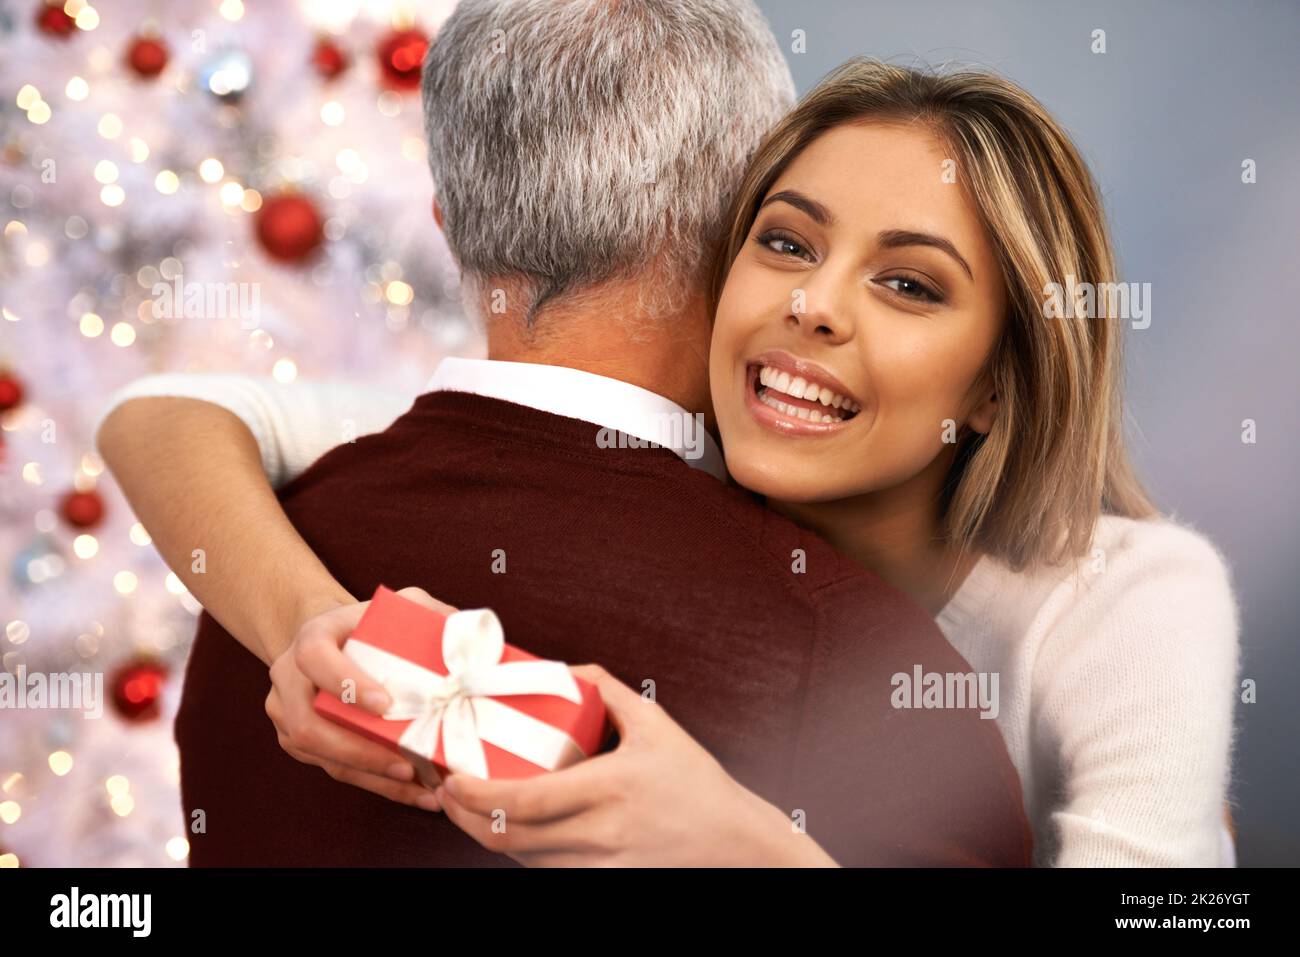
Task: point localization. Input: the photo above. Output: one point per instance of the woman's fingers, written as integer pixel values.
(290, 707)
(416, 795)
(627, 710)
(339, 746)
(502, 834)
(318, 652)
(422, 597)
(542, 798)
(318, 655)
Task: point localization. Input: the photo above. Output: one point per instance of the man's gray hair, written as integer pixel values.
(576, 141)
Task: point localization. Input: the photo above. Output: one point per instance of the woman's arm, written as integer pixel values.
(193, 472)
(197, 456)
(193, 476)
(1135, 696)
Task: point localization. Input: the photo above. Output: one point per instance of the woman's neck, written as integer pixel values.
(895, 533)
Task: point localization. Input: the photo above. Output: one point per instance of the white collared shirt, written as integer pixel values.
(296, 423)
(611, 403)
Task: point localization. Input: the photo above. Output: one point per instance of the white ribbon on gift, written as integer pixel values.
(459, 705)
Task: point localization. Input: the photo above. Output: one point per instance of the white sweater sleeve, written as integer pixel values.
(1136, 689)
(293, 423)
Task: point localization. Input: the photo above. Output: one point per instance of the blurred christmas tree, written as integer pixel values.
(227, 187)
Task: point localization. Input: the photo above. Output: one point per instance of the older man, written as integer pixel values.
(583, 155)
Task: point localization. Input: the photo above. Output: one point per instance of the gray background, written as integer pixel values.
(1184, 93)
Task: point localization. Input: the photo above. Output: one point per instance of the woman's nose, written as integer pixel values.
(816, 311)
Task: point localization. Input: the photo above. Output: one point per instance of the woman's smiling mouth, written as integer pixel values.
(796, 397)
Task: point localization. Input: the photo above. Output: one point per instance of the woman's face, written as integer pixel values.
(856, 320)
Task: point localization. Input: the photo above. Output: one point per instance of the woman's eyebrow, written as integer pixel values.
(893, 238)
(819, 213)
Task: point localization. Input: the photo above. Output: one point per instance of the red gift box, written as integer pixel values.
(458, 687)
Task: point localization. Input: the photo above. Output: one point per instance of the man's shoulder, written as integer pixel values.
(792, 558)
(463, 449)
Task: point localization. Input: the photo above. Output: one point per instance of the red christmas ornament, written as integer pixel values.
(82, 509)
(289, 227)
(51, 20)
(11, 391)
(137, 688)
(146, 56)
(401, 54)
(328, 59)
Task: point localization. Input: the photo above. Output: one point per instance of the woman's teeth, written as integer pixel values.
(777, 380)
(808, 415)
(800, 388)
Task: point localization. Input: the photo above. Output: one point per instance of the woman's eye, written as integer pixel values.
(783, 245)
(912, 289)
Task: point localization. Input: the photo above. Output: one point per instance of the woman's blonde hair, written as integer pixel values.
(1029, 492)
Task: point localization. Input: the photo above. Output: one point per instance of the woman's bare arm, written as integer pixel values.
(201, 482)
(193, 474)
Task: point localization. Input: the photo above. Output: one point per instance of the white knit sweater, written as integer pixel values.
(1117, 681)
(1116, 676)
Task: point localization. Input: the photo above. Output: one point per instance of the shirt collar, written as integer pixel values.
(615, 405)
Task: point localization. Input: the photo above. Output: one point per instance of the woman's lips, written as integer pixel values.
(796, 405)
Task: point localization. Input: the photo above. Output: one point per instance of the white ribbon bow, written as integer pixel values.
(459, 705)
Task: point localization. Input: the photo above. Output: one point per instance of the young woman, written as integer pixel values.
(890, 368)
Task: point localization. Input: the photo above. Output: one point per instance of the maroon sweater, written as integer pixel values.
(659, 572)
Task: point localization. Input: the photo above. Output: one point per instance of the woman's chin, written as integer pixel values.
(777, 478)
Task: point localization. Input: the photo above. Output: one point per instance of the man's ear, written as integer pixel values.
(437, 218)
(985, 414)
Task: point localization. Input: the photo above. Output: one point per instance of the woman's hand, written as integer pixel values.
(315, 660)
(658, 799)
